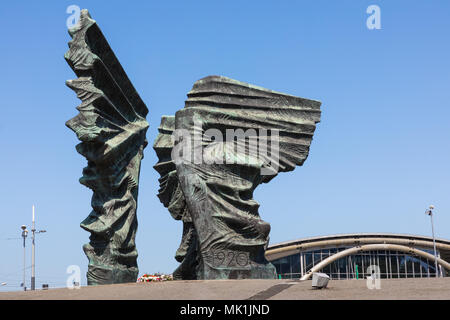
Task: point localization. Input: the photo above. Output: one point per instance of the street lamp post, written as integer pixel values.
(24, 236)
(429, 212)
(33, 230)
(33, 248)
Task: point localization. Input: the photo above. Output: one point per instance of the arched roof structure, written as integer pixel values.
(358, 242)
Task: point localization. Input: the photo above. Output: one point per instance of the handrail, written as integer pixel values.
(370, 247)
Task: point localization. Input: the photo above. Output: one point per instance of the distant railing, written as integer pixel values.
(343, 275)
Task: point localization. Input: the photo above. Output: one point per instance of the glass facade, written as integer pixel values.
(392, 264)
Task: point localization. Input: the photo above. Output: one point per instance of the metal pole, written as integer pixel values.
(301, 264)
(441, 274)
(24, 235)
(33, 270)
(24, 257)
(434, 245)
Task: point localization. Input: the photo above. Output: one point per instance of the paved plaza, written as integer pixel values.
(392, 289)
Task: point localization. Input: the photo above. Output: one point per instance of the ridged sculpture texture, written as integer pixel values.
(230, 137)
(111, 126)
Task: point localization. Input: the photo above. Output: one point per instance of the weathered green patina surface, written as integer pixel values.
(172, 197)
(111, 126)
(229, 138)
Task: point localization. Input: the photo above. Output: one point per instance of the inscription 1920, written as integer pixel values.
(228, 258)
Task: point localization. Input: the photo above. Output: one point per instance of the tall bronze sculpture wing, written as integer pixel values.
(111, 126)
(172, 197)
(230, 137)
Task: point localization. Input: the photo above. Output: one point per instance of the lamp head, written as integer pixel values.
(23, 227)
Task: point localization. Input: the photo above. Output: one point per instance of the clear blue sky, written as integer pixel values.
(379, 157)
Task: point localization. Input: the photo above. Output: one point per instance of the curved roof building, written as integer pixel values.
(353, 256)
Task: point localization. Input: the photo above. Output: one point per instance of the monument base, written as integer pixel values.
(108, 266)
(97, 275)
(263, 271)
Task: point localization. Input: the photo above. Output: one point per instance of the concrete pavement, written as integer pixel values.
(393, 289)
